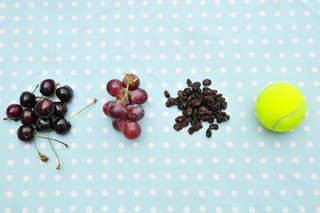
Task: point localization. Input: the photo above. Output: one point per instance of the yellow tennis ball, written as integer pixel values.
(281, 107)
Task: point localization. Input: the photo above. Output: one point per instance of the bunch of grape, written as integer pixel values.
(42, 114)
(126, 109)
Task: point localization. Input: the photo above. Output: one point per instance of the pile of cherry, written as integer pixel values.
(43, 113)
(126, 109)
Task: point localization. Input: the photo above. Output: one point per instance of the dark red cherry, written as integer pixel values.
(27, 99)
(25, 133)
(13, 112)
(28, 116)
(44, 125)
(115, 87)
(132, 81)
(44, 108)
(131, 129)
(53, 118)
(138, 96)
(64, 93)
(47, 87)
(60, 109)
(61, 126)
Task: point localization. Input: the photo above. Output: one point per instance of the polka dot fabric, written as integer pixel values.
(240, 45)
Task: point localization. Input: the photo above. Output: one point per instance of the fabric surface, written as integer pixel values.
(241, 46)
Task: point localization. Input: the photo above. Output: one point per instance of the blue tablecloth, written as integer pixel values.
(240, 45)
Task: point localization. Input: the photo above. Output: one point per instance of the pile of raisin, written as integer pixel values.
(198, 105)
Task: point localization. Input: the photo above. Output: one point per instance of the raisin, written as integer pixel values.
(167, 94)
(208, 133)
(170, 102)
(206, 82)
(198, 105)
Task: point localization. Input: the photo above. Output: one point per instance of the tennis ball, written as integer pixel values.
(281, 107)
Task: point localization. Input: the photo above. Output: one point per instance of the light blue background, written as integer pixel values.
(241, 45)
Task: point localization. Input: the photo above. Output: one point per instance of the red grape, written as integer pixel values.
(106, 107)
(118, 110)
(131, 129)
(125, 100)
(126, 109)
(132, 81)
(117, 125)
(135, 112)
(115, 87)
(139, 96)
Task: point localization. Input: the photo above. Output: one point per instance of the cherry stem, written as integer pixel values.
(66, 145)
(35, 88)
(43, 157)
(72, 117)
(55, 153)
(58, 85)
(10, 119)
(37, 123)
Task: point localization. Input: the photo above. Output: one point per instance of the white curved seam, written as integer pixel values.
(287, 116)
(265, 90)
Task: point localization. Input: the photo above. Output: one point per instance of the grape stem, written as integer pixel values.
(124, 98)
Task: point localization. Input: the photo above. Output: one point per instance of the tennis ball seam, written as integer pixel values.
(287, 116)
(266, 89)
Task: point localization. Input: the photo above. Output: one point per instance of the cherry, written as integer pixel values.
(115, 87)
(131, 129)
(117, 125)
(44, 125)
(28, 116)
(60, 108)
(132, 81)
(135, 112)
(27, 99)
(139, 96)
(44, 108)
(47, 87)
(13, 112)
(64, 93)
(61, 125)
(25, 133)
(106, 107)
(118, 110)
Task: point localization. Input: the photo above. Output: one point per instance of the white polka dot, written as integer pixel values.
(41, 194)
(9, 194)
(25, 193)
